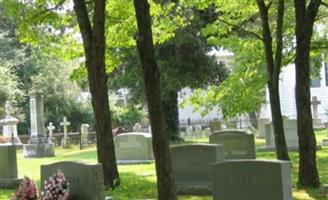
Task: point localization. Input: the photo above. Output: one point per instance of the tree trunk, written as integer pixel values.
(94, 47)
(165, 179)
(308, 173)
(171, 114)
(273, 68)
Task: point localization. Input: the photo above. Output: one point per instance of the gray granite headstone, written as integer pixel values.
(290, 128)
(38, 145)
(261, 126)
(192, 167)
(237, 144)
(198, 131)
(8, 167)
(215, 125)
(252, 180)
(86, 181)
(135, 147)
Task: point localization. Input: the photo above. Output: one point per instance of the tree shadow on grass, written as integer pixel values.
(134, 186)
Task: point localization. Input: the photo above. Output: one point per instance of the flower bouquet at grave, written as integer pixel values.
(56, 187)
(26, 191)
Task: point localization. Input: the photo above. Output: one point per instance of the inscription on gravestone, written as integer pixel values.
(192, 167)
(252, 180)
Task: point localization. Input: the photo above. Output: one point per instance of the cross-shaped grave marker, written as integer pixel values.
(315, 102)
(51, 128)
(64, 124)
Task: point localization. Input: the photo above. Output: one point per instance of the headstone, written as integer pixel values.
(252, 180)
(189, 132)
(135, 147)
(65, 142)
(192, 167)
(8, 167)
(237, 144)
(316, 120)
(325, 142)
(137, 127)
(85, 134)
(85, 180)
(9, 124)
(261, 126)
(325, 190)
(290, 128)
(215, 125)
(51, 129)
(207, 132)
(38, 145)
(198, 131)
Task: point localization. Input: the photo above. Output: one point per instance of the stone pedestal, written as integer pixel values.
(65, 143)
(8, 167)
(39, 150)
(38, 145)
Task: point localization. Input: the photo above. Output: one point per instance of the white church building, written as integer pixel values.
(319, 91)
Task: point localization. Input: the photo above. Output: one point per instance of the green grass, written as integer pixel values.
(139, 181)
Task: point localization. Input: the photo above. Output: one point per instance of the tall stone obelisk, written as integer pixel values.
(38, 145)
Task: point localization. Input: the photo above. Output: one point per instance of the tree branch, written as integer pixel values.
(324, 4)
(239, 28)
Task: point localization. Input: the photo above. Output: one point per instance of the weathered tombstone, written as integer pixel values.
(134, 148)
(65, 142)
(198, 131)
(137, 127)
(261, 126)
(8, 167)
(237, 144)
(215, 125)
(207, 131)
(290, 128)
(189, 132)
(252, 180)
(51, 129)
(192, 167)
(86, 181)
(316, 120)
(9, 124)
(85, 134)
(38, 145)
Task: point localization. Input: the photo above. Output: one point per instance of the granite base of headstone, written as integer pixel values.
(38, 147)
(86, 181)
(8, 167)
(65, 143)
(192, 167)
(133, 148)
(252, 180)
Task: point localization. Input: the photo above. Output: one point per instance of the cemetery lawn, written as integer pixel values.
(139, 181)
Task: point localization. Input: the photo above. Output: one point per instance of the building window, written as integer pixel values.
(315, 82)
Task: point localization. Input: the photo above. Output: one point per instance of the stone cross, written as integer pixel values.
(65, 123)
(315, 104)
(50, 128)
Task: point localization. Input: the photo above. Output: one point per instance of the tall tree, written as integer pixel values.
(305, 15)
(165, 179)
(93, 35)
(273, 61)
